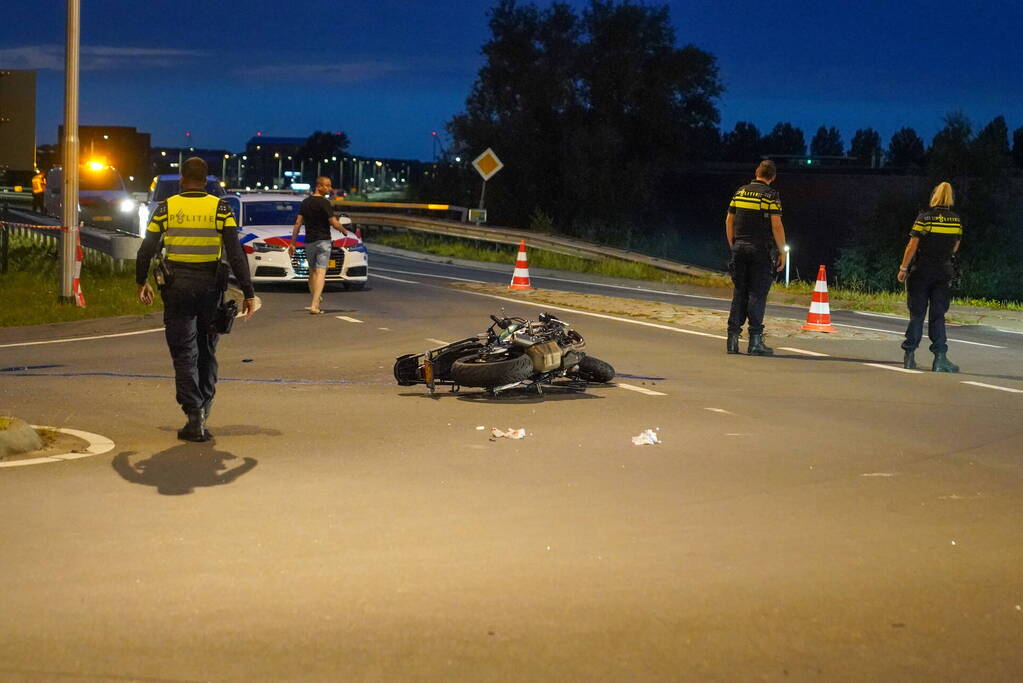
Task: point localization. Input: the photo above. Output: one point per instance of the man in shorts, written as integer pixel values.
(317, 214)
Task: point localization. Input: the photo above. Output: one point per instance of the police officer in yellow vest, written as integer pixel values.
(38, 188)
(197, 229)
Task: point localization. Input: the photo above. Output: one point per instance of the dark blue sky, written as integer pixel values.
(390, 71)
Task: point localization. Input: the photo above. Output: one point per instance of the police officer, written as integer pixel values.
(38, 189)
(927, 269)
(197, 229)
(756, 238)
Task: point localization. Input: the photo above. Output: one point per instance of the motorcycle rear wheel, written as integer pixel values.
(594, 370)
(478, 372)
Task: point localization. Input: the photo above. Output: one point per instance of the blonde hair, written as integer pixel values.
(942, 195)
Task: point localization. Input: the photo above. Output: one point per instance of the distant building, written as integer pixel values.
(269, 158)
(17, 126)
(222, 163)
(122, 147)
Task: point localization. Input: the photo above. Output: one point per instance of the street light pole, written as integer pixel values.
(69, 250)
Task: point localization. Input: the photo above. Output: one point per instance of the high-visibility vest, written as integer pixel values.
(38, 183)
(192, 232)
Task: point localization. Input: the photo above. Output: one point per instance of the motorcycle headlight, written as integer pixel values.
(126, 205)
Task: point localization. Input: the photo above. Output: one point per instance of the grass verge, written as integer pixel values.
(796, 293)
(30, 288)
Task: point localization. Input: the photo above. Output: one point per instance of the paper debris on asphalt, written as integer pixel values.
(510, 433)
(646, 437)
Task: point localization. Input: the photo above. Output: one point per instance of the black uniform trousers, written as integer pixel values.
(37, 202)
(928, 288)
(190, 306)
(752, 271)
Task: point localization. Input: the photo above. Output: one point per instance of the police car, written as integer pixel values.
(265, 221)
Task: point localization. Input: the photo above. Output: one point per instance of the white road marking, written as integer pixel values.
(995, 386)
(990, 346)
(720, 410)
(878, 474)
(630, 289)
(384, 329)
(78, 339)
(1008, 331)
(893, 368)
(596, 315)
(881, 315)
(442, 277)
(98, 445)
(437, 341)
(394, 279)
(347, 319)
(805, 353)
(642, 390)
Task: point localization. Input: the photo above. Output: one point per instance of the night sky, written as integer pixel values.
(388, 72)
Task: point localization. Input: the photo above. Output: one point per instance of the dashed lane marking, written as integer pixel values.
(990, 346)
(437, 341)
(347, 319)
(720, 410)
(98, 445)
(384, 329)
(642, 390)
(994, 386)
(597, 315)
(78, 339)
(442, 277)
(804, 352)
(394, 279)
(893, 368)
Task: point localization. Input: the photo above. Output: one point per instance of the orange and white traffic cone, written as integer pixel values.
(76, 282)
(520, 278)
(819, 317)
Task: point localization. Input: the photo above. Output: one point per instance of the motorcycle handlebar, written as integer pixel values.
(501, 322)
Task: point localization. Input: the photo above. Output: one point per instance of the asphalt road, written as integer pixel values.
(805, 518)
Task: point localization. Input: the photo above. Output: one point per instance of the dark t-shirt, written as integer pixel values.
(316, 212)
(939, 228)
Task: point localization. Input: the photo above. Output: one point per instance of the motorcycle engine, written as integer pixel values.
(545, 357)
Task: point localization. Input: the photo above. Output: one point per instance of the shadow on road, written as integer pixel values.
(233, 430)
(180, 470)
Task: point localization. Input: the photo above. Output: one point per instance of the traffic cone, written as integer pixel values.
(819, 317)
(76, 283)
(520, 278)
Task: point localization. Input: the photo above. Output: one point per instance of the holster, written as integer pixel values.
(224, 320)
(162, 273)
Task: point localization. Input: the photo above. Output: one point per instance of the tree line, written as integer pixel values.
(595, 113)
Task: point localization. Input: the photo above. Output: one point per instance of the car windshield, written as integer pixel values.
(270, 213)
(165, 187)
(98, 181)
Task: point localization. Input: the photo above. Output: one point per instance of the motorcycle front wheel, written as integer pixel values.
(483, 372)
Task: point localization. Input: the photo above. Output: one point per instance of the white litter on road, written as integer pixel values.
(720, 410)
(480, 428)
(510, 433)
(878, 474)
(347, 319)
(645, 438)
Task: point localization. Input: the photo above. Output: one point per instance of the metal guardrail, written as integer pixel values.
(499, 235)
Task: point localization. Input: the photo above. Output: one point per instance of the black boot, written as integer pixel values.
(206, 408)
(733, 343)
(943, 364)
(909, 362)
(195, 428)
(757, 347)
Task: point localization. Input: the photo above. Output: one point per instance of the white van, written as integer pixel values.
(103, 198)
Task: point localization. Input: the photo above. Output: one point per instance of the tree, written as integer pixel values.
(866, 146)
(784, 138)
(952, 154)
(597, 105)
(906, 149)
(992, 143)
(324, 145)
(1017, 147)
(742, 143)
(827, 142)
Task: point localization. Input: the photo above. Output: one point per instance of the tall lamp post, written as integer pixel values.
(69, 249)
(223, 169)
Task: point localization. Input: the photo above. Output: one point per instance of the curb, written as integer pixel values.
(98, 445)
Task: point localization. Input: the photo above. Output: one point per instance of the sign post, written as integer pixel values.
(486, 164)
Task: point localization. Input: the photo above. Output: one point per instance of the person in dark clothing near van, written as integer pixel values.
(756, 238)
(927, 270)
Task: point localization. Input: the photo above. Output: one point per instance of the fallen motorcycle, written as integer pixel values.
(513, 353)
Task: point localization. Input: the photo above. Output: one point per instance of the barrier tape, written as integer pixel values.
(32, 226)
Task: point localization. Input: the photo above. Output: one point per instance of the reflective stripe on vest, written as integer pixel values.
(192, 235)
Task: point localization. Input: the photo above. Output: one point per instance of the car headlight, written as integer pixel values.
(127, 205)
(264, 247)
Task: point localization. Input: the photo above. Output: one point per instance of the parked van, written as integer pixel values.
(103, 198)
